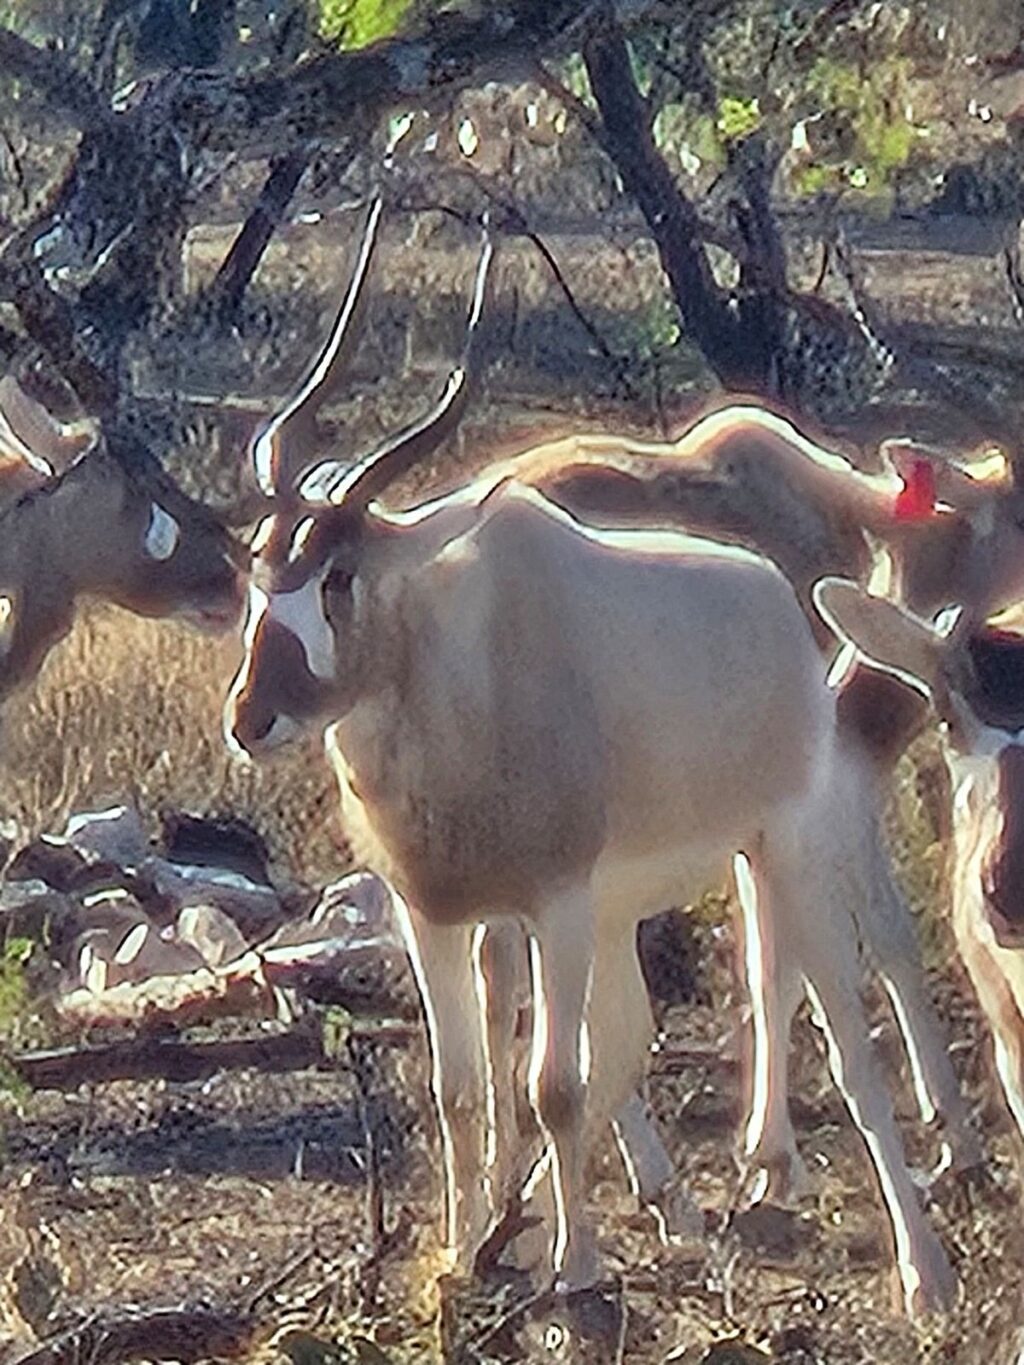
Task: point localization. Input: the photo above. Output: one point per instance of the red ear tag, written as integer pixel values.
(916, 502)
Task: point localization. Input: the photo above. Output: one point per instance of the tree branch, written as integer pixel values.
(241, 262)
(321, 98)
(54, 78)
(671, 218)
(49, 321)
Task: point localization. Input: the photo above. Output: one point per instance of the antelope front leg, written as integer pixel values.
(775, 985)
(621, 1029)
(829, 883)
(561, 962)
(894, 952)
(504, 967)
(443, 961)
(926, 1279)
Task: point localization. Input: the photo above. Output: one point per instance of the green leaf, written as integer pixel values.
(812, 178)
(737, 118)
(358, 23)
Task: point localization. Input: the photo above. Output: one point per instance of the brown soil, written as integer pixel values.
(249, 1192)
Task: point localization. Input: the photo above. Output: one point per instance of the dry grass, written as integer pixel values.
(913, 828)
(126, 708)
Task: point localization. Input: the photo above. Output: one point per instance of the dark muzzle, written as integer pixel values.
(1003, 872)
(279, 686)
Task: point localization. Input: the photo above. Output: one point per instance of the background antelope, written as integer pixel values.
(974, 679)
(532, 718)
(950, 535)
(82, 524)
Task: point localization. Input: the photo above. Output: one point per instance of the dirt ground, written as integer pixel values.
(250, 1193)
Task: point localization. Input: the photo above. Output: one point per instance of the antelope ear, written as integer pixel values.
(962, 484)
(46, 444)
(884, 634)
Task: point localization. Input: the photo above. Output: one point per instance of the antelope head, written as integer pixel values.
(974, 676)
(87, 525)
(967, 547)
(315, 636)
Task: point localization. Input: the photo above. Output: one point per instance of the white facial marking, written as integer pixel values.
(258, 601)
(263, 533)
(93, 970)
(302, 533)
(92, 817)
(162, 533)
(302, 612)
(946, 619)
(6, 622)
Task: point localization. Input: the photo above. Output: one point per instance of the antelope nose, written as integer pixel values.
(251, 730)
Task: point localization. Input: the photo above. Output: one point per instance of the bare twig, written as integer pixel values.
(514, 223)
(240, 264)
(50, 73)
(166, 1059)
(18, 171)
(270, 1286)
(383, 1241)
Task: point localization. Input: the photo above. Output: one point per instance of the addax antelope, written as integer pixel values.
(572, 728)
(949, 534)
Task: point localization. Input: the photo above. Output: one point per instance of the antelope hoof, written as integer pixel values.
(782, 1179)
(581, 1268)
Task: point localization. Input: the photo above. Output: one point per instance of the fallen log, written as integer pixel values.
(174, 1059)
(184, 1334)
(168, 1059)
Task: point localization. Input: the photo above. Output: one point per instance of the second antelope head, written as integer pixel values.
(81, 523)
